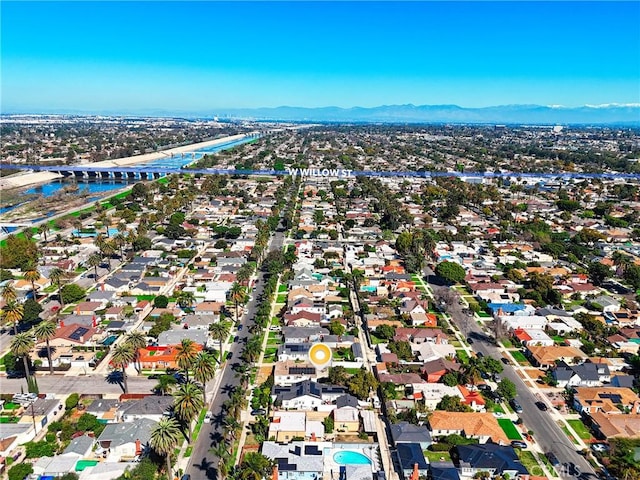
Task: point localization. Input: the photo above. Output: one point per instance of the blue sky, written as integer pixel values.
(199, 56)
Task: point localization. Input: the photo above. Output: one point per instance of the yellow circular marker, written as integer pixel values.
(320, 355)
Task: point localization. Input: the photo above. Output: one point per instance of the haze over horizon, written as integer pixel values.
(212, 56)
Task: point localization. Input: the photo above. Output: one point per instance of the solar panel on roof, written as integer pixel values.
(78, 332)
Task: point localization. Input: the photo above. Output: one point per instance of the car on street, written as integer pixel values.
(15, 374)
(229, 355)
(518, 444)
(505, 360)
(470, 340)
(239, 327)
(479, 354)
(484, 387)
(236, 338)
(600, 447)
(258, 411)
(542, 406)
(208, 417)
(516, 406)
(553, 460)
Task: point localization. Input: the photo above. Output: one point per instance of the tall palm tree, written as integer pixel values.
(136, 340)
(56, 275)
(188, 404)
(472, 371)
(221, 450)
(21, 346)
(165, 436)
(77, 224)
(122, 356)
(165, 384)
(219, 331)
(237, 296)
(94, 261)
(255, 466)
(46, 330)
(204, 369)
(9, 293)
(43, 229)
(32, 276)
(186, 352)
(186, 299)
(119, 241)
(12, 313)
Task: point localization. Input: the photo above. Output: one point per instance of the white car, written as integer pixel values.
(208, 417)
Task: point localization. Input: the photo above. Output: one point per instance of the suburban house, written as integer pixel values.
(614, 425)
(126, 441)
(589, 400)
(583, 375)
(546, 357)
(306, 395)
(489, 457)
(482, 426)
(405, 432)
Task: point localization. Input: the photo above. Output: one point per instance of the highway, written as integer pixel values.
(203, 463)
(547, 433)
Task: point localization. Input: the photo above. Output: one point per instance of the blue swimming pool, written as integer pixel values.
(349, 457)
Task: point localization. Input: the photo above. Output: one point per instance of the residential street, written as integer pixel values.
(546, 432)
(202, 462)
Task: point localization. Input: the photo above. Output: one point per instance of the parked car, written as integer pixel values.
(600, 447)
(516, 406)
(470, 340)
(236, 338)
(505, 360)
(229, 355)
(552, 458)
(239, 327)
(485, 387)
(258, 411)
(518, 444)
(542, 406)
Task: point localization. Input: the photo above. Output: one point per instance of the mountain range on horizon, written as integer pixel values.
(606, 114)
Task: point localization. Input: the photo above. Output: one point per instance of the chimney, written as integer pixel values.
(274, 474)
(102, 287)
(138, 447)
(61, 323)
(415, 475)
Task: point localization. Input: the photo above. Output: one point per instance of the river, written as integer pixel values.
(98, 188)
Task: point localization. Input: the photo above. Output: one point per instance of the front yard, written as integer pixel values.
(509, 429)
(578, 427)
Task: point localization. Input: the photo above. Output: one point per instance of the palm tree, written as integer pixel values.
(94, 261)
(186, 352)
(472, 371)
(237, 296)
(219, 331)
(204, 369)
(165, 384)
(255, 466)
(186, 299)
(187, 404)
(43, 229)
(9, 293)
(32, 275)
(77, 224)
(56, 275)
(119, 241)
(46, 330)
(136, 340)
(13, 312)
(122, 356)
(164, 438)
(21, 346)
(221, 450)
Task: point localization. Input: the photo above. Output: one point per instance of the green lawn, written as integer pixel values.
(580, 429)
(437, 456)
(509, 429)
(529, 461)
(558, 339)
(282, 298)
(519, 357)
(462, 356)
(270, 354)
(507, 343)
(196, 430)
(498, 409)
(569, 434)
(188, 451)
(282, 288)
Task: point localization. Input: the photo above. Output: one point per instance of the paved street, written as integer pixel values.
(204, 464)
(66, 384)
(546, 432)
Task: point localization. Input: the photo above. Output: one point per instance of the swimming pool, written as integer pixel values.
(349, 457)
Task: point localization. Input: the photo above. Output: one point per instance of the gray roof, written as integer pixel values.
(173, 337)
(347, 401)
(128, 432)
(102, 405)
(150, 405)
(622, 381)
(405, 432)
(80, 445)
(306, 387)
(303, 332)
(101, 295)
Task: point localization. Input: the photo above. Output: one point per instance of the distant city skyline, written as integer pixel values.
(143, 56)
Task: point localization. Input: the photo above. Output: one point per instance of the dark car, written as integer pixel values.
(479, 354)
(542, 406)
(553, 460)
(485, 387)
(516, 406)
(15, 374)
(469, 340)
(505, 360)
(518, 444)
(258, 411)
(153, 377)
(239, 327)
(236, 338)
(229, 355)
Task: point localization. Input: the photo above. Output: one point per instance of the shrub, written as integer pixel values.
(20, 471)
(72, 401)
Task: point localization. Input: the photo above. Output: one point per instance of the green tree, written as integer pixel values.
(165, 384)
(506, 389)
(18, 252)
(46, 330)
(56, 275)
(402, 349)
(20, 471)
(12, 314)
(255, 466)
(165, 436)
(386, 332)
(187, 404)
(336, 328)
(450, 271)
(362, 383)
(31, 311)
(220, 331)
(136, 340)
(598, 272)
(338, 375)
(21, 346)
(32, 276)
(94, 261)
(452, 404)
(161, 301)
(71, 293)
(204, 369)
(122, 356)
(186, 352)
